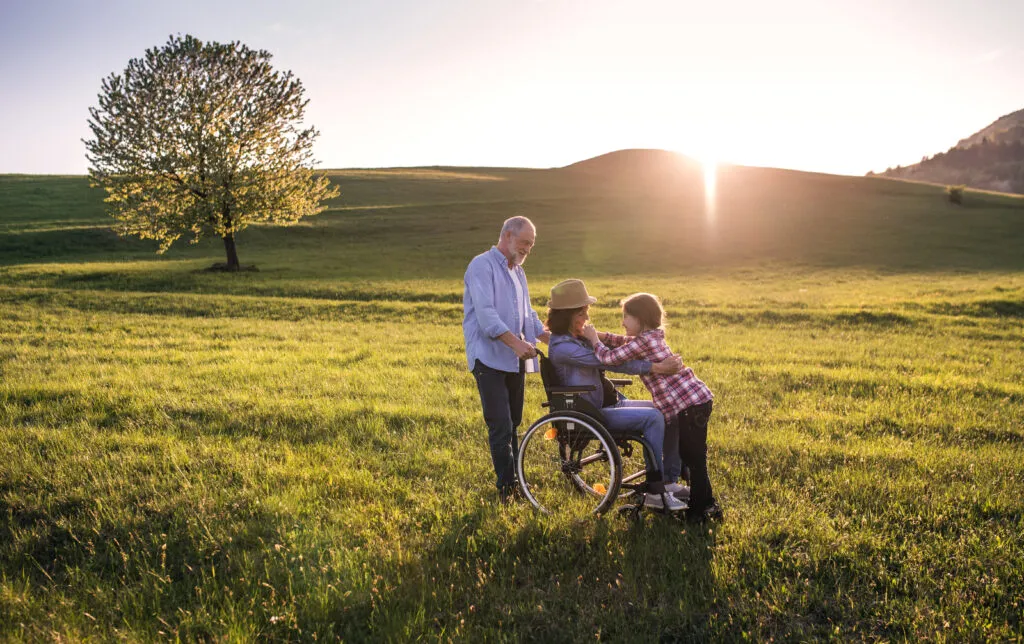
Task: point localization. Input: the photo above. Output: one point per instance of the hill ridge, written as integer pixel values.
(634, 160)
(990, 159)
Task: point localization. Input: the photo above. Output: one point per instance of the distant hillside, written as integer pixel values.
(635, 161)
(990, 159)
(1006, 129)
(638, 166)
(630, 212)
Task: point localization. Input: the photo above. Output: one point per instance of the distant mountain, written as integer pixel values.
(1006, 129)
(990, 159)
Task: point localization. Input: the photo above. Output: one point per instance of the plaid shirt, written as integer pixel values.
(671, 394)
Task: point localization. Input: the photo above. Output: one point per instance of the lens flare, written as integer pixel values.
(710, 187)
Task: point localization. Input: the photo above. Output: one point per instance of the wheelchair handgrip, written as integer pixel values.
(570, 390)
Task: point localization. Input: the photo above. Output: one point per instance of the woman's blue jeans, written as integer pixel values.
(642, 415)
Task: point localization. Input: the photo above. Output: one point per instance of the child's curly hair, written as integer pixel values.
(646, 308)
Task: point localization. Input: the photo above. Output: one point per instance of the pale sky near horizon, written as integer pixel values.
(845, 86)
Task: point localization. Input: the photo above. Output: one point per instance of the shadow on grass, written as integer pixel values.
(945, 434)
(904, 494)
(169, 552)
(69, 245)
(363, 430)
(216, 306)
(1006, 308)
(644, 583)
(155, 554)
(440, 308)
(771, 317)
(828, 385)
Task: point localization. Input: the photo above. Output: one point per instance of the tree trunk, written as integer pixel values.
(229, 247)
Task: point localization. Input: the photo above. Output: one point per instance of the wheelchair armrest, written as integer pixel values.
(571, 390)
(620, 382)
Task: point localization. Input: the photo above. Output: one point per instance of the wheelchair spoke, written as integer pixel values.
(567, 465)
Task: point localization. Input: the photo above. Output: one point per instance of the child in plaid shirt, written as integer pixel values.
(683, 399)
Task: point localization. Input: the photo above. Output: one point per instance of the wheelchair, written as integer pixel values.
(570, 463)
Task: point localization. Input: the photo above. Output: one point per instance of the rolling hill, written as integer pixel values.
(632, 211)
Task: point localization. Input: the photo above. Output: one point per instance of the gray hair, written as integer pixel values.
(515, 226)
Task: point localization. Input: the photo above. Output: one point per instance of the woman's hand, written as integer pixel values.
(590, 333)
(668, 366)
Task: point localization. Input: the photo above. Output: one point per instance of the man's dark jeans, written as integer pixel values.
(501, 394)
(693, 450)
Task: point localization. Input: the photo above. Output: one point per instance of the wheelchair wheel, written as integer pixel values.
(569, 464)
(634, 468)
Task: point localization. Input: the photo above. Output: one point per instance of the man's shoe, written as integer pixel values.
(678, 490)
(510, 494)
(669, 503)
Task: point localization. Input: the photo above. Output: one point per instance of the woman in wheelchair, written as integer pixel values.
(589, 442)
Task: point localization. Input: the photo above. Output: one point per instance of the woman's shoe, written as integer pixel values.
(669, 503)
(678, 490)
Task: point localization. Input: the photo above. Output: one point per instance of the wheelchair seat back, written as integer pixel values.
(561, 398)
(565, 400)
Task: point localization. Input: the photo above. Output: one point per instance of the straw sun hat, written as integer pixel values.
(570, 294)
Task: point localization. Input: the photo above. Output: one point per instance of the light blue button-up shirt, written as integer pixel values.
(490, 309)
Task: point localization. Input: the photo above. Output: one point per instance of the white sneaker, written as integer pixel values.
(678, 490)
(654, 501)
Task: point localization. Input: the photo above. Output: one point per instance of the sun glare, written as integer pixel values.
(710, 186)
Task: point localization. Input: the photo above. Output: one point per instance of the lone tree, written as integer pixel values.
(203, 138)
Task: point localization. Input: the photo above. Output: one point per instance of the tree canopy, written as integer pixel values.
(200, 139)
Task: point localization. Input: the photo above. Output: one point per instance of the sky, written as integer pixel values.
(843, 86)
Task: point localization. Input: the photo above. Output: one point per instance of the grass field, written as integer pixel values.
(298, 453)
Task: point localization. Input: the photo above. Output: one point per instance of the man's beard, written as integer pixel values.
(518, 259)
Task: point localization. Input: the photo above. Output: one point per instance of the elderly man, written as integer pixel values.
(501, 329)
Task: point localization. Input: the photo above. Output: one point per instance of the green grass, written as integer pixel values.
(298, 453)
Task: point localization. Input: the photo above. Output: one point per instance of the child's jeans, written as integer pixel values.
(673, 462)
(693, 450)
